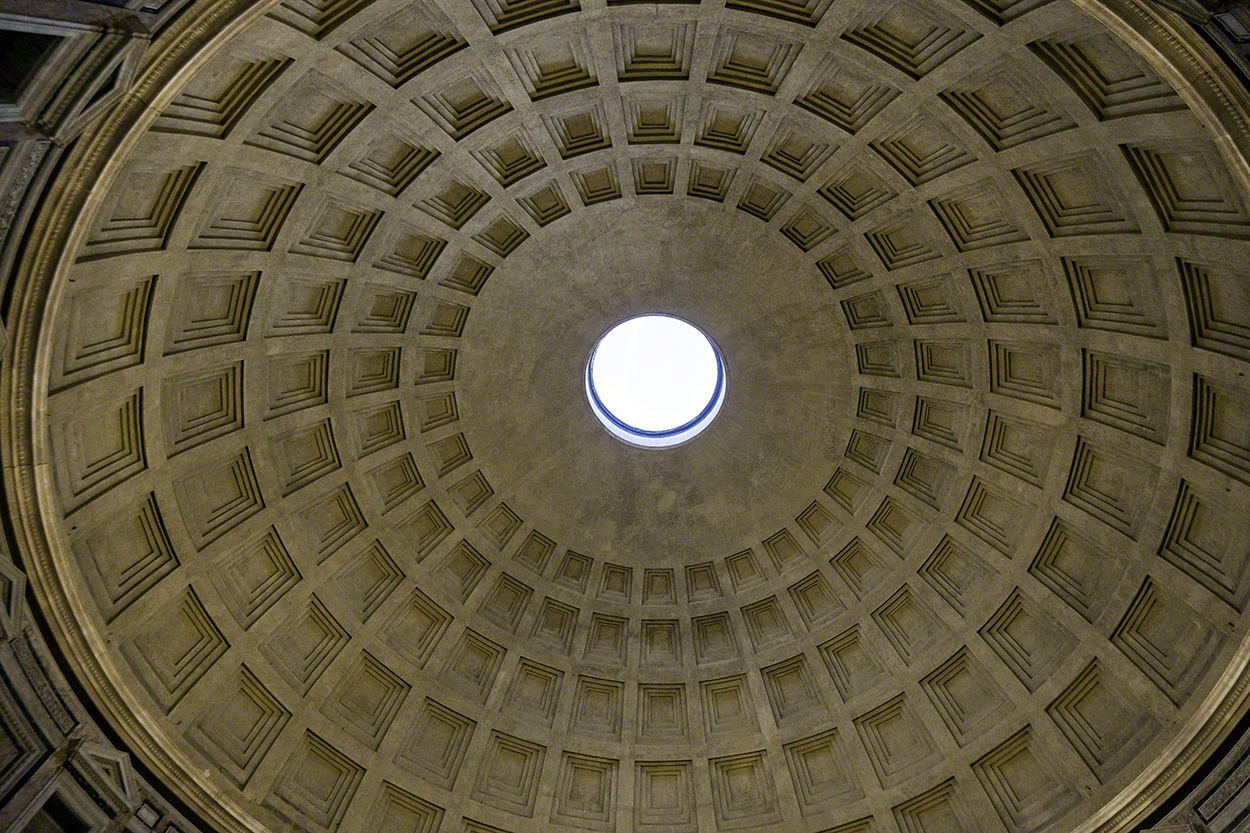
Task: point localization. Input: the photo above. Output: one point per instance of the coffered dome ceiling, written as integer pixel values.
(316, 506)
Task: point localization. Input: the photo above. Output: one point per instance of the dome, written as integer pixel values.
(301, 465)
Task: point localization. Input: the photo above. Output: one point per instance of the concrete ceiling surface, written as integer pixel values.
(314, 501)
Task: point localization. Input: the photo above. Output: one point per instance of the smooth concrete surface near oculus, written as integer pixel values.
(596, 494)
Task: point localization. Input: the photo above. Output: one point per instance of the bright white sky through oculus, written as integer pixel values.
(654, 372)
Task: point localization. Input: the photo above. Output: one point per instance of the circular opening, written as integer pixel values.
(655, 380)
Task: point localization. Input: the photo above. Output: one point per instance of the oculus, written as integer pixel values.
(655, 381)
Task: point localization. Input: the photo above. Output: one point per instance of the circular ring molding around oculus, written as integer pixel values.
(655, 381)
